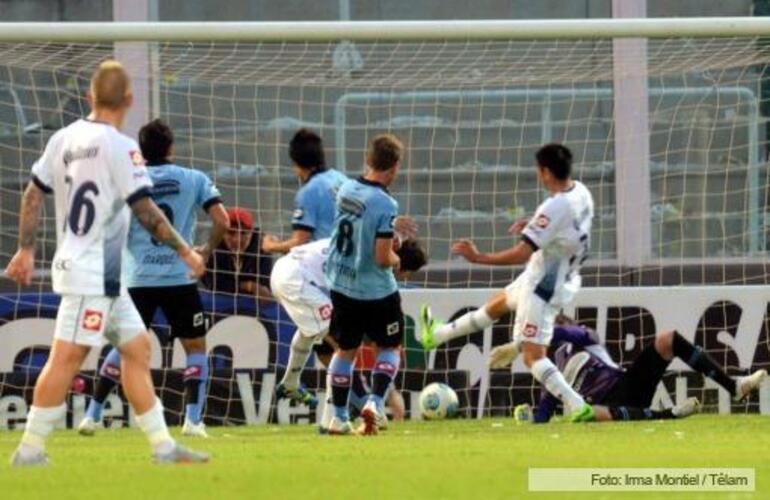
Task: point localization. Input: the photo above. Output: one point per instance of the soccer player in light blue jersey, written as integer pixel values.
(314, 209)
(157, 277)
(364, 292)
(312, 220)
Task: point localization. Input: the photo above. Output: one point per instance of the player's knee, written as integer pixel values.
(664, 344)
(137, 350)
(531, 353)
(68, 356)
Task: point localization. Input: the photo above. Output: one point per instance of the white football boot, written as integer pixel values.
(195, 430)
(87, 427)
(746, 385)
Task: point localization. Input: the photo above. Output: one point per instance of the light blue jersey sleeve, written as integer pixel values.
(207, 193)
(315, 204)
(306, 208)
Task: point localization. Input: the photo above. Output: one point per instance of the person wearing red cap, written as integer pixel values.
(238, 266)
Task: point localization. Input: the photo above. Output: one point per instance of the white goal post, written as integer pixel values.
(685, 225)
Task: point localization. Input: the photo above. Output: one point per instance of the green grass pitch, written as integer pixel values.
(469, 459)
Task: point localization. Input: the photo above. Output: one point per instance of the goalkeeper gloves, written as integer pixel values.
(503, 355)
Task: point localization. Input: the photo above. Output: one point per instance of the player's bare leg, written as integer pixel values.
(552, 379)
(434, 333)
(196, 377)
(48, 406)
(138, 386)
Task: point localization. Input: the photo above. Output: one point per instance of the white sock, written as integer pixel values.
(301, 347)
(153, 424)
(40, 423)
(466, 324)
(326, 416)
(549, 375)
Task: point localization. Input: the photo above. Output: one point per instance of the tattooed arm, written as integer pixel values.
(155, 222)
(22, 265)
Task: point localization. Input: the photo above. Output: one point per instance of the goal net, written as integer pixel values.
(679, 239)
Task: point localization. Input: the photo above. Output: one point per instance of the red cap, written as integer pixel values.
(240, 218)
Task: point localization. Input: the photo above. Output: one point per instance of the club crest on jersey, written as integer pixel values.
(136, 158)
(298, 213)
(92, 320)
(325, 311)
(542, 221)
(530, 330)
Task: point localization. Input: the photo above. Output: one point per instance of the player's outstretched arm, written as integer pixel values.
(271, 244)
(155, 222)
(22, 265)
(220, 222)
(519, 254)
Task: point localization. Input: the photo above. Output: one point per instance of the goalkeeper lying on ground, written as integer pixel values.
(615, 393)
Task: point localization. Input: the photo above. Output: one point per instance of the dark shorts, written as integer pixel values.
(381, 320)
(323, 349)
(637, 385)
(180, 304)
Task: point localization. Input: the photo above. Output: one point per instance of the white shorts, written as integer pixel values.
(534, 316)
(308, 306)
(89, 319)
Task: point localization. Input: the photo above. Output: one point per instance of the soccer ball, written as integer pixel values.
(438, 401)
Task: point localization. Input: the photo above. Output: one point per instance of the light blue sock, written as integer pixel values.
(196, 377)
(340, 377)
(385, 370)
(109, 377)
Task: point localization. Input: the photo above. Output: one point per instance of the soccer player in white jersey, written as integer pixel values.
(299, 284)
(95, 173)
(554, 244)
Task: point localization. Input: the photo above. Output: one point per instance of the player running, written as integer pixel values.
(364, 292)
(299, 284)
(158, 278)
(618, 394)
(95, 173)
(554, 245)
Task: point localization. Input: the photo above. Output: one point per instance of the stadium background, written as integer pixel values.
(251, 164)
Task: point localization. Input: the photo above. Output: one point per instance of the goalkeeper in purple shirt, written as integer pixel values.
(615, 393)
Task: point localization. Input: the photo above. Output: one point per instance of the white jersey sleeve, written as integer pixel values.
(549, 219)
(128, 170)
(43, 169)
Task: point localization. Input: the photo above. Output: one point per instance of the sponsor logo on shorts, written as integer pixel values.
(325, 311)
(92, 320)
(198, 319)
(542, 221)
(136, 158)
(393, 328)
(530, 330)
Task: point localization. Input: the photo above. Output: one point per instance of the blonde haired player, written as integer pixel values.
(95, 173)
(554, 244)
